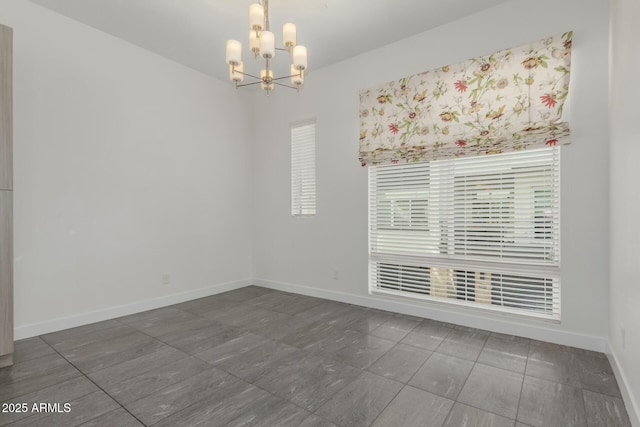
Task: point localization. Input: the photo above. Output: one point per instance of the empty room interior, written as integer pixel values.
(319, 213)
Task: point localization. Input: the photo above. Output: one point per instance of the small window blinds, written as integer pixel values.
(303, 169)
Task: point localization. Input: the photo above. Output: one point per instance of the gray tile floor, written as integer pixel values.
(260, 357)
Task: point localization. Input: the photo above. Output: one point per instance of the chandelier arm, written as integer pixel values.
(249, 84)
(283, 85)
(285, 77)
(248, 75)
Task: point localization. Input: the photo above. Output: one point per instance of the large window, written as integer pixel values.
(481, 231)
(303, 169)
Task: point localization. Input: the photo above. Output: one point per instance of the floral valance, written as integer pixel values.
(507, 101)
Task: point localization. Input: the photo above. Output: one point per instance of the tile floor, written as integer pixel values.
(260, 357)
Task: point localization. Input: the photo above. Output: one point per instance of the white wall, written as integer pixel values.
(127, 166)
(301, 253)
(624, 334)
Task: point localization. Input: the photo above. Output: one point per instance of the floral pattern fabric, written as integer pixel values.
(507, 101)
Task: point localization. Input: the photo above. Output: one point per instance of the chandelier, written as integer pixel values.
(262, 44)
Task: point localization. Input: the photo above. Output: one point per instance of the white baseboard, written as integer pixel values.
(510, 326)
(630, 401)
(500, 324)
(61, 323)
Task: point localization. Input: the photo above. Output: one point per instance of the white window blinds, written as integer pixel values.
(480, 231)
(303, 169)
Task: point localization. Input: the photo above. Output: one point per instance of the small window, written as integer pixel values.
(303, 169)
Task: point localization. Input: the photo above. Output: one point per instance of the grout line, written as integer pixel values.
(421, 366)
(99, 388)
(390, 401)
(271, 393)
(315, 354)
(22, 362)
(424, 349)
(466, 379)
(484, 410)
(187, 355)
(40, 389)
(524, 376)
(225, 371)
(446, 419)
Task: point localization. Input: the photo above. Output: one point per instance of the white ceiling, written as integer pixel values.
(194, 32)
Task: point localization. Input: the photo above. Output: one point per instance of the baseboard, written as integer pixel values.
(630, 401)
(500, 324)
(539, 332)
(505, 326)
(61, 323)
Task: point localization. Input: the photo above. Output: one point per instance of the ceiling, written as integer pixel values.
(194, 32)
